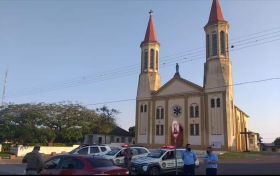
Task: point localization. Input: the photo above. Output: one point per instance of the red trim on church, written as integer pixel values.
(216, 12)
(151, 32)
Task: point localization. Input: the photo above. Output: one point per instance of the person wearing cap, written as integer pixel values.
(211, 160)
(189, 158)
(127, 157)
(35, 162)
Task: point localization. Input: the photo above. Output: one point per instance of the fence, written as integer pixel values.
(21, 150)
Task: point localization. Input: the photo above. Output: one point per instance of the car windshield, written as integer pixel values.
(113, 152)
(156, 154)
(74, 151)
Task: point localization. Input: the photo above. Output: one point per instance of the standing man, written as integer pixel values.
(35, 162)
(211, 160)
(127, 157)
(189, 158)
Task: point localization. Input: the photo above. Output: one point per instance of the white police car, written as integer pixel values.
(160, 161)
(117, 157)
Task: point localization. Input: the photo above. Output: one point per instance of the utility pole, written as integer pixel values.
(4, 90)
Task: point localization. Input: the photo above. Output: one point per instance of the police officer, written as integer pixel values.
(189, 158)
(35, 162)
(127, 158)
(211, 160)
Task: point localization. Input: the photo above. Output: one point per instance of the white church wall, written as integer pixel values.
(176, 87)
(216, 115)
(217, 139)
(160, 139)
(193, 101)
(176, 102)
(142, 139)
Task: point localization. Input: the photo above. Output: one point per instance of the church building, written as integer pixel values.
(207, 114)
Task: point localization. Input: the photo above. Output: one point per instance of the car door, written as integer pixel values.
(119, 160)
(71, 166)
(52, 166)
(168, 160)
(94, 151)
(103, 150)
(83, 151)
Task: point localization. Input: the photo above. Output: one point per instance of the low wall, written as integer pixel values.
(21, 150)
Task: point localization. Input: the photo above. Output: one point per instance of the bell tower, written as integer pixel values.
(149, 78)
(218, 79)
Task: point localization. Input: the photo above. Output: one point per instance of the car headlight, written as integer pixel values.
(145, 167)
(127, 173)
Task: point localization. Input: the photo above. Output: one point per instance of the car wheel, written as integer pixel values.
(154, 171)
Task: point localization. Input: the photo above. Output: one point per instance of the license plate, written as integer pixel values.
(133, 168)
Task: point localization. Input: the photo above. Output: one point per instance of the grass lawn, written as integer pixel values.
(4, 154)
(235, 155)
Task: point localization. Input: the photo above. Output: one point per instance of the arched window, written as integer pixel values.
(214, 44)
(145, 108)
(207, 45)
(191, 111)
(222, 38)
(157, 60)
(158, 111)
(141, 108)
(145, 59)
(212, 103)
(162, 113)
(152, 59)
(218, 102)
(196, 111)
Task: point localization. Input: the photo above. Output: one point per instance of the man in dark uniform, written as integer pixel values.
(127, 157)
(35, 162)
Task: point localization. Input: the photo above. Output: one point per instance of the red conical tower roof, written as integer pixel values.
(151, 32)
(216, 12)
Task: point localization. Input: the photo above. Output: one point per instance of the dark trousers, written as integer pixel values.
(189, 169)
(211, 171)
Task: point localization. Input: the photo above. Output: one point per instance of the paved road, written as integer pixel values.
(4, 173)
(261, 165)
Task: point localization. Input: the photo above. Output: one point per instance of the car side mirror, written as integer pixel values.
(164, 158)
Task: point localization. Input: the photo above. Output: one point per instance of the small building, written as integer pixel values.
(270, 147)
(254, 139)
(118, 135)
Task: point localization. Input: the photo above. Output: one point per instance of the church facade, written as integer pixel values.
(207, 115)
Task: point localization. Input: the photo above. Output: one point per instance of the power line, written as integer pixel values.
(237, 84)
(80, 82)
(137, 65)
(97, 79)
(115, 70)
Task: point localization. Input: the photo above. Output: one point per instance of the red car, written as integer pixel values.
(81, 165)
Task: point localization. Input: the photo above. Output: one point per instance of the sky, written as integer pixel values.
(48, 41)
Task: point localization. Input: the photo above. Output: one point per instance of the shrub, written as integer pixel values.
(6, 147)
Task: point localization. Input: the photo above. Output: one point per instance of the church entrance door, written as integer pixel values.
(180, 139)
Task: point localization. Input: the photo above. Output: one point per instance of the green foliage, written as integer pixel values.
(6, 147)
(49, 123)
(236, 155)
(132, 130)
(277, 141)
(4, 154)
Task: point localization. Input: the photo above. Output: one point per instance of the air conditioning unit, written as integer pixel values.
(217, 145)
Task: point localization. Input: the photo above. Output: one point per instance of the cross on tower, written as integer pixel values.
(246, 135)
(151, 12)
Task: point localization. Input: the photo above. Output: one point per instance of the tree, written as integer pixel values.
(132, 130)
(106, 122)
(44, 123)
(277, 141)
